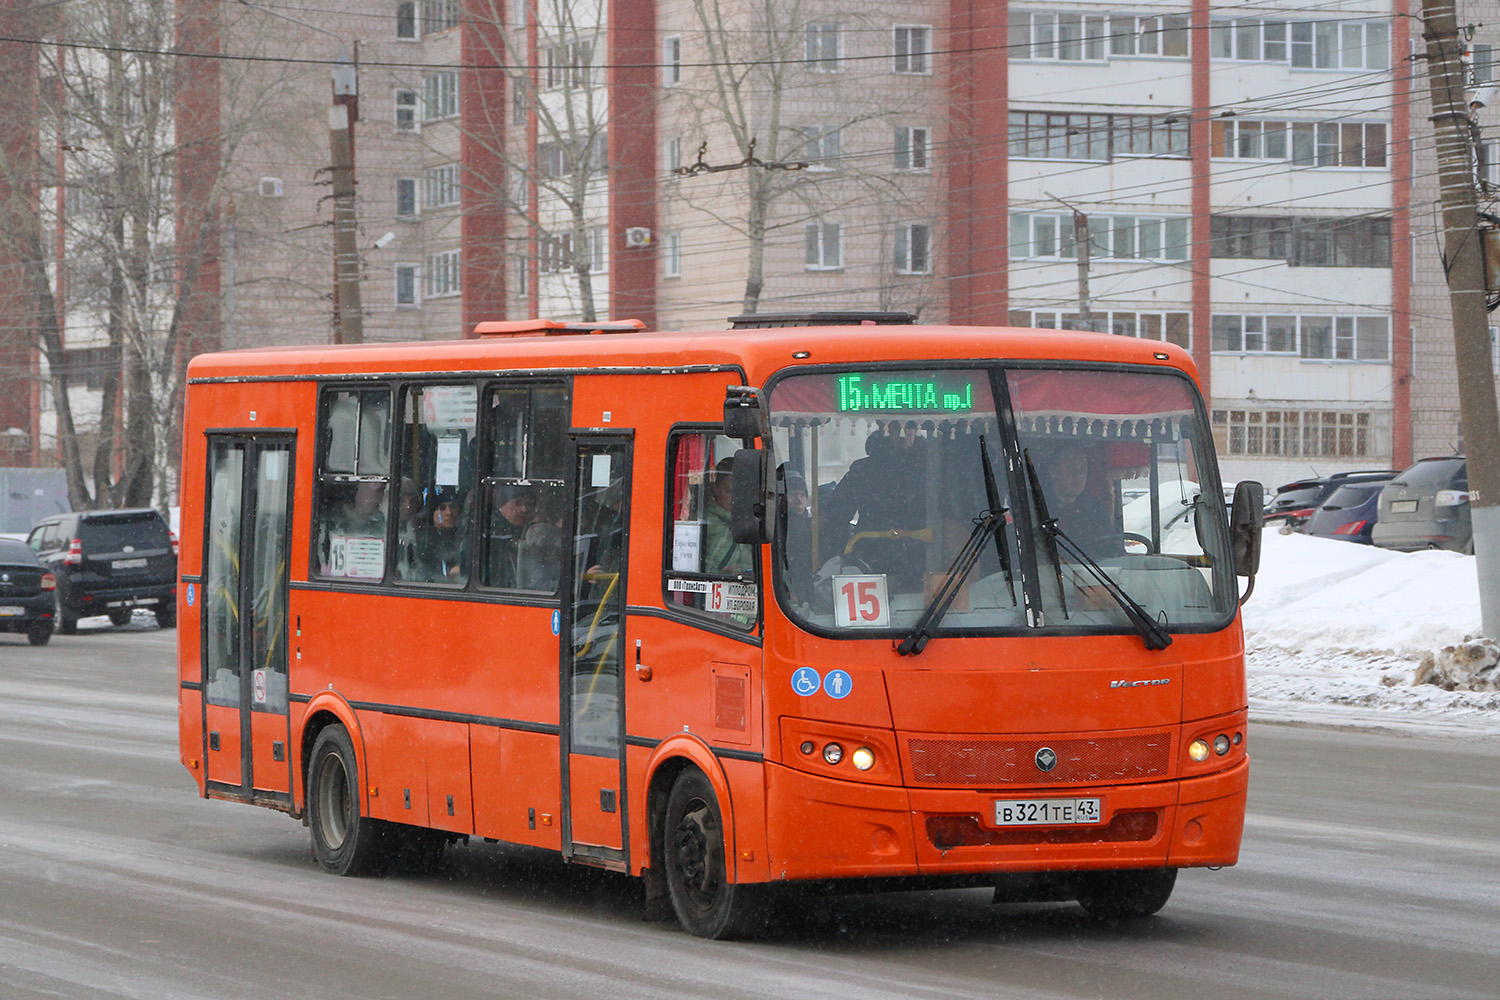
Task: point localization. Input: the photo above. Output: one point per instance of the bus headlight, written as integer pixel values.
(1221, 744)
(833, 753)
(863, 758)
(1198, 750)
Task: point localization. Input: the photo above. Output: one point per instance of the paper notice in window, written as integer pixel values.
(448, 451)
(687, 546)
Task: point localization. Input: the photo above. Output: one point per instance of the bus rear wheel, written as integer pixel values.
(1125, 895)
(693, 848)
(343, 841)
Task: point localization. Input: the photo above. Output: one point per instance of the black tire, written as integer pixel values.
(66, 623)
(1125, 895)
(120, 617)
(693, 851)
(343, 841)
(166, 615)
(39, 635)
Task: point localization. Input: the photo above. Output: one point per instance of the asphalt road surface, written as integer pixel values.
(1371, 868)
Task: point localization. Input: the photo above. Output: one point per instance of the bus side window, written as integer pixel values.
(438, 424)
(701, 549)
(521, 524)
(354, 485)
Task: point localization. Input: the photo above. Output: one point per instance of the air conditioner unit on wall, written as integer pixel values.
(638, 236)
(270, 187)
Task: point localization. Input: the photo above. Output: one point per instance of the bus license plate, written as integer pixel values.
(1046, 812)
(128, 564)
(1403, 506)
(11, 611)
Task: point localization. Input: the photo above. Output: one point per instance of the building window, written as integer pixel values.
(823, 47)
(671, 155)
(912, 249)
(1066, 37)
(1306, 144)
(569, 65)
(823, 252)
(1481, 63)
(1316, 338)
(1118, 237)
(672, 255)
(406, 284)
(440, 96)
(1059, 136)
(523, 276)
(406, 111)
(442, 276)
(406, 197)
(1303, 433)
(519, 106)
(1140, 35)
(911, 147)
(913, 45)
(597, 240)
(555, 253)
(520, 187)
(406, 20)
(1173, 327)
(1302, 242)
(821, 150)
(439, 15)
(671, 61)
(440, 186)
(1304, 44)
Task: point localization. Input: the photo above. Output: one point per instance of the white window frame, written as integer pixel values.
(408, 116)
(406, 17)
(825, 48)
(671, 61)
(416, 204)
(910, 237)
(671, 156)
(671, 258)
(596, 245)
(413, 275)
(441, 186)
(439, 15)
(824, 246)
(442, 275)
(907, 57)
(440, 96)
(909, 150)
(555, 253)
(822, 146)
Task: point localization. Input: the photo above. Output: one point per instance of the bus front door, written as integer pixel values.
(593, 652)
(246, 535)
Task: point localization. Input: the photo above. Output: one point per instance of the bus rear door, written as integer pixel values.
(244, 607)
(593, 651)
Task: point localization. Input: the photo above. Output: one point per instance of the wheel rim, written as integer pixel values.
(695, 849)
(334, 799)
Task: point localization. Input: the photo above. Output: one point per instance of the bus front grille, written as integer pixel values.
(990, 762)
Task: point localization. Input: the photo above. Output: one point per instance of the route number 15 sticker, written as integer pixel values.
(861, 601)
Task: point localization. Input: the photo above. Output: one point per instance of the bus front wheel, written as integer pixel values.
(344, 842)
(706, 904)
(1126, 895)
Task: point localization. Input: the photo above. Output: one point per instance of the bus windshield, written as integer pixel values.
(1101, 483)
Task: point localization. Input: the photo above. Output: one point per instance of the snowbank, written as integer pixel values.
(1336, 632)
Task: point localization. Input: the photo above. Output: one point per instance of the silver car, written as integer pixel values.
(1427, 507)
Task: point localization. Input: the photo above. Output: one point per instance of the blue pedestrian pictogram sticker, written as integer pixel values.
(837, 684)
(805, 681)
(556, 622)
(190, 595)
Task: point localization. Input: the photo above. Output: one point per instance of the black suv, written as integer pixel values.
(108, 562)
(27, 599)
(1295, 502)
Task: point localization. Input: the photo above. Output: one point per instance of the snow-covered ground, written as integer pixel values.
(1335, 633)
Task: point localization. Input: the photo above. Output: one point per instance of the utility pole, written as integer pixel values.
(1464, 258)
(349, 326)
(1081, 244)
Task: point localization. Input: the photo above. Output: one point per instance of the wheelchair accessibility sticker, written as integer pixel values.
(806, 682)
(190, 595)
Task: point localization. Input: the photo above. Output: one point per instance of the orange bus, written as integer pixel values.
(724, 610)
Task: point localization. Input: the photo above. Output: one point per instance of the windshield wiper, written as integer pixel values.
(1151, 631)
(988, 523)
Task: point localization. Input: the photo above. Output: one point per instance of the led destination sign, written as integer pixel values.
(905, 392)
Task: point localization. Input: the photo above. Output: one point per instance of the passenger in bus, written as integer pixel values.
(796, 528)
(514, 508)
(1075, 507)
(366, 516)
(540, 560)
(722, 555)
(442, 546)
(882, 494)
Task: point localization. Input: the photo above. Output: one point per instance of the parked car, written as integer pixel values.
(1427, 507)
(1348, 513)
(28, 593)
(1295, 502)
(109, 562)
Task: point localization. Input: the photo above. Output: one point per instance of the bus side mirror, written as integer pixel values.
(1246, 519)
(744, 414)
(747, 503)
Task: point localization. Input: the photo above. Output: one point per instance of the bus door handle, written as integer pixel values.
(641, 670)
